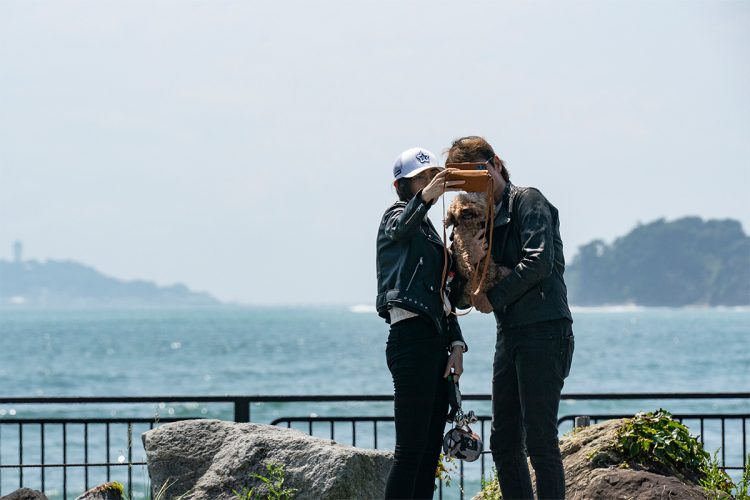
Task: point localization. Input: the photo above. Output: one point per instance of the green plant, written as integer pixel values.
(274, 482)
(742, 490)
(490, 489)
(161, 494)
(445, 466)
(658, 442)
(715, 481)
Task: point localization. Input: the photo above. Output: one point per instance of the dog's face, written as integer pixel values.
(467, 211)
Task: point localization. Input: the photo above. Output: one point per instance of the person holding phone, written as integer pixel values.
(425, 345)
(535, 342)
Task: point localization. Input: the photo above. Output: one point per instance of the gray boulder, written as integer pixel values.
(208, 459)
(25, 494)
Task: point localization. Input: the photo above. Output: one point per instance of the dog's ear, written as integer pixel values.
(451, 220)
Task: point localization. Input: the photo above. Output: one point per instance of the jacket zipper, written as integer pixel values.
(541, 292)
(419, 264)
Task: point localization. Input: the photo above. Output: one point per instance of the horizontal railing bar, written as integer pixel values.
(380, 418)
(565, 418)
(84, 420)
(348, 398)
(68, 465)
(658, 395)
(686, 416)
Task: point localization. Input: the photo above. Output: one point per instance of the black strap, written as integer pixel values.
(454, 398)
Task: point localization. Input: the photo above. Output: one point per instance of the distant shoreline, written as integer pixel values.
(356, 309)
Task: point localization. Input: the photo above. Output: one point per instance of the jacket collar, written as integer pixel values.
(504, 213)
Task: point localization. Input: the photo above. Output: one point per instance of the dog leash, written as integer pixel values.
(489, 221)
(445, 263)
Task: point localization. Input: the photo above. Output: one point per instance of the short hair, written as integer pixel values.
(473, 148)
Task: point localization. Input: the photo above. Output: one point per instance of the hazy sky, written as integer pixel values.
(245, 148)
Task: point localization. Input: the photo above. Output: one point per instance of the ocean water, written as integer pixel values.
(338, 350)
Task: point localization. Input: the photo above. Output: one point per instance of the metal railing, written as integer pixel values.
(74, 454)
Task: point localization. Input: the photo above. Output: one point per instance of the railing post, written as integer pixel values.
(582, 421)
(242, 410)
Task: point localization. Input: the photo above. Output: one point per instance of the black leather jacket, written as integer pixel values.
(410, 266)
(527, 239)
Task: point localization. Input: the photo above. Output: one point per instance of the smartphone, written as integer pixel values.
(475, 176)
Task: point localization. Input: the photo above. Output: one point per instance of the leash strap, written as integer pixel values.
(476, 281)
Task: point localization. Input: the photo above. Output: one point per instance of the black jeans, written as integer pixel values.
(530, 366)
(417, 355)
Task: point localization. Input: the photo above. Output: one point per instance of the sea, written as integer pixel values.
(332, 350)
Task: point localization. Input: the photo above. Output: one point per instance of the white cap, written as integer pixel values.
(413, 162)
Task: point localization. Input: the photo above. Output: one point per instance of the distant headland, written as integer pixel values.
(686, 262)
(70, 285)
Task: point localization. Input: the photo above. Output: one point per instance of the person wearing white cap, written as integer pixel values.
(425, 344)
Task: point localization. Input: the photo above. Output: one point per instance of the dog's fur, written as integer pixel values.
(467, 214)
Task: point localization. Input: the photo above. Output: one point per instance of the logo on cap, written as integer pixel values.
(397, 172)
(423, 158)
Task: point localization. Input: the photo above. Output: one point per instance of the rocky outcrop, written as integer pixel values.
(632, 484)
(25, 494)
(589, 472)
(208, 459)
(593, 471)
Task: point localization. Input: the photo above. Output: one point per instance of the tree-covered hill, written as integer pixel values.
(685, 262)
(67, 284)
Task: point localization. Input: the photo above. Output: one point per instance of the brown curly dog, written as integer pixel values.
(467, 214)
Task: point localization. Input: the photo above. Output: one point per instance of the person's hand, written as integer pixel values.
(482, 303)
(477, 248)
(456, 362)
(438, 186)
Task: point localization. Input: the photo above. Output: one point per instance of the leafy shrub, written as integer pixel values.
(445, 466)
(658, 442)
(490, 488)
(274, 483)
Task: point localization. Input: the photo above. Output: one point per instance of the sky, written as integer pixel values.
(246, 148)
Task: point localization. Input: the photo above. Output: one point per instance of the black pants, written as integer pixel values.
(417, 355)
(530, 366)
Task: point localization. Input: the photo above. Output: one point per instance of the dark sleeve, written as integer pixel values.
(401, 222)
(537, 250)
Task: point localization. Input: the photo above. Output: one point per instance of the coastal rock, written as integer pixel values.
(25, 494)
(626, 484)
(207, 459)
(591, 471)
(106, 491)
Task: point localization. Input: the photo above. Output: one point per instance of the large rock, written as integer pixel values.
(592, 471)
(25, 494)
(207, 459)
